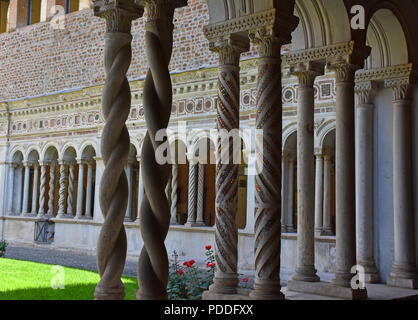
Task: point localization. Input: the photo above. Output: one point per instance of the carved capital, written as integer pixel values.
(268, 45)
(344, 72)
(365, 91)
(401, 88)
(307, 72)
(161, 9)
(118, 13)
(229, 49)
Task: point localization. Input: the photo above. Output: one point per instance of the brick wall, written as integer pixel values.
(38, 60)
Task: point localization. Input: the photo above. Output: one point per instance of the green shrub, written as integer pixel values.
(3, 246)
(188, 282)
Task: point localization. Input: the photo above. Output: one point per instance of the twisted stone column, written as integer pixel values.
(364, 183)
(285, 191)
(25, 209)
(155, 210)
(345, 173)
(404, 268)
(41, 211)
(52, 166)
(267, 226)
(319, 193)
(200, 195)
(174, 196)
(63, 187)
(70, 210)
(229, 50)
(191, 203)
(35, 189)
(306, 73)
(116, 102)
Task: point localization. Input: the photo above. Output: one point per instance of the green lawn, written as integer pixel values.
(25, 280)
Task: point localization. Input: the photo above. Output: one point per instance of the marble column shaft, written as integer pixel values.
(404, 269)
(200, 195)
(35, 189)
(191, 203)
(319, 193)
(305, 266)
(89, 190)
(364, 183)
(345, 174)
(80, 189)
(25, 209)
(327, 229)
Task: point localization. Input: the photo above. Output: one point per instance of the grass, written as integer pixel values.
(26, 280)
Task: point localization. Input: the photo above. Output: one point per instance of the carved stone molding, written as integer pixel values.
(344, 72)
(365, 91)
(348, 51)
(391, 72)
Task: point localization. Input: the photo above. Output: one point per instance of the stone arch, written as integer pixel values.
(91, 147)
(386, 36)
(323, 130)
(32, 150)
(16, 154)
(322, 23)
(50, 151)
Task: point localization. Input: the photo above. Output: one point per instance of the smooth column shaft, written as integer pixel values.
(364, 198)
(319, 193)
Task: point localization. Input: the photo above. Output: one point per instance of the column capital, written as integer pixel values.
(43, 163)
(268, 44)
(161, 9)
(229, 48)
(306, 72)
(344, 71)
(401, 88)
(80, 160)
(118, 14)
(366, 90)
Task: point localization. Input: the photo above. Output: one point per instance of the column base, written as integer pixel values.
(141, 296)
(371, 274)
(242, 294)
(327, 232)
(101, 293)
(29, 214)
(224, 285)
(265, 289)
(403, 277)
(290, 229)
(326, 289)
(305, 275)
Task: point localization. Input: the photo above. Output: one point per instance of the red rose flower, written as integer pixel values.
(245, 280)
(208, 247)
(180, 272)
(212, 264)
(185, 263)
(192, 262)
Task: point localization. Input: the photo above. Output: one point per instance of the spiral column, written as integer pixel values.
(191, 203)
(200, 196)
(229, 49)
(41, 211)
(116, 102)
(174, 196)
(267, 226)
(63, 186)
(51, 192)
(155, 210)
(70, 210)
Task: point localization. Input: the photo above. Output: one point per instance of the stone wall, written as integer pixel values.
(39, 60)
